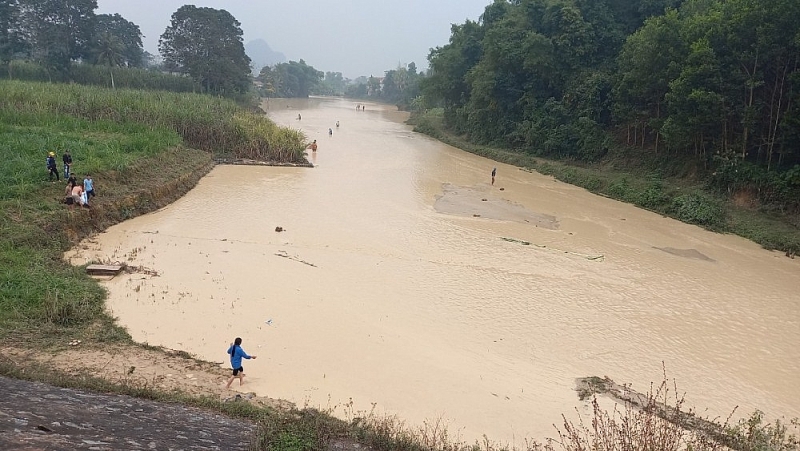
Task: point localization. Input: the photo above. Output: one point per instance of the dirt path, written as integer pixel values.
(139, 367)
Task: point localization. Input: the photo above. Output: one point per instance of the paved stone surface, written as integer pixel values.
(36, 416)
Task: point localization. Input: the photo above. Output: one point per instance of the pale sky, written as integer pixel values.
(355, 37)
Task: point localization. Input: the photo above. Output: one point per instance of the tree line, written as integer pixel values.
(400, 86)
(714, 81)
(204, 44)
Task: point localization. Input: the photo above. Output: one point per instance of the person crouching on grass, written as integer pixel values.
(237, 353)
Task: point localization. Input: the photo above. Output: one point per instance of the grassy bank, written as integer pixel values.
(215, 125)
(682, 198)
(144, 149)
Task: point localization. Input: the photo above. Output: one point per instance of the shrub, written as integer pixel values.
(653, 196)
(696, 208)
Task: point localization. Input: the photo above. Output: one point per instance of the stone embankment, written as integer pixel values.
(35, 416)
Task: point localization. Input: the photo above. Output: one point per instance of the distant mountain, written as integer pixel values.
(262, 55)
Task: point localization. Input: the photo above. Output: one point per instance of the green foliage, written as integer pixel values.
(698, 208)
(332, 85)
(754, 434)
(303, 430)
(653, 197)
(777, 189)
(289, 80)
(206, 44)
(126, 35)
(710, 81)
(88, 74)
(58, 32)
(206, 123)
(11, 40)
(401, 86)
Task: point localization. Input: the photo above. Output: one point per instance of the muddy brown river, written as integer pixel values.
(402, 280)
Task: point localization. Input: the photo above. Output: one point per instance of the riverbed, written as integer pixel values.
(405, 282)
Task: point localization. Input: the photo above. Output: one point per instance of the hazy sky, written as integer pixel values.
(355, 37)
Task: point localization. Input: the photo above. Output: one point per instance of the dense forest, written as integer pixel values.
(712, 81)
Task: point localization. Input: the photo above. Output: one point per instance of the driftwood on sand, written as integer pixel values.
(588, 387)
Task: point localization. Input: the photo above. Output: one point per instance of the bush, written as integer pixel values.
(653, 197)
(695, 208)
(621, 189)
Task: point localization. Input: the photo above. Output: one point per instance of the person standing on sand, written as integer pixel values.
(494, 172)
(52, 169)
(237, 354)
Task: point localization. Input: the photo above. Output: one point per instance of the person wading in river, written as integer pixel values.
(237, 354)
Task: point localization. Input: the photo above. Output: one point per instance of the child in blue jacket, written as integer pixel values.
(237, 354)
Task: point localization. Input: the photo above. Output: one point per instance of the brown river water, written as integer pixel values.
(386, 289)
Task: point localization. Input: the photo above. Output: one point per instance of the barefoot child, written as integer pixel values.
(237, 353)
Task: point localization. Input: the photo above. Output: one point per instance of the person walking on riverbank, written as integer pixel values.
(88, 186)
(237, 354)
(494, 173)
(51, 167)
(67, 159)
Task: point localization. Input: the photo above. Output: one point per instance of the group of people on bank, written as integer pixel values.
(74, 193)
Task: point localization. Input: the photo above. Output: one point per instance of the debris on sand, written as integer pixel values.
(284, 254)
(598, 258)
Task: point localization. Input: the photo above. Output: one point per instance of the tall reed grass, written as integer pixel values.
(89, 74)
(215, 125)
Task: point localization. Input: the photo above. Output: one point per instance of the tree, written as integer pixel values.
(58, 32)
(9, 38)
(206, 44)
(334, 84)
(126, 34)
(650, 59)
(292, 79)
(109, 52)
